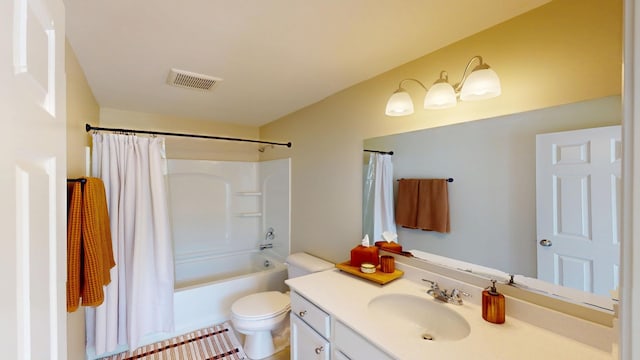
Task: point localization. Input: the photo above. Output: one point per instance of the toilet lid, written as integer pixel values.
(261, 305)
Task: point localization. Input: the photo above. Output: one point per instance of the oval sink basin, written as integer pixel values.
(423, 318)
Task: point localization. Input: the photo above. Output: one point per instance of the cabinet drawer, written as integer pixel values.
(354, 346)
(311, 314)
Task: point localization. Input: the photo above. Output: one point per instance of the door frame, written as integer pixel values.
(629, 313)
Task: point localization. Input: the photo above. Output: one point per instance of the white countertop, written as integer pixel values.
(346, 298)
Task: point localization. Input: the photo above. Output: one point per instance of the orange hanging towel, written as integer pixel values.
(95, 253)
(74, 244)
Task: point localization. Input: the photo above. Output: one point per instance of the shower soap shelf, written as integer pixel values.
(377, 277)
(251, 214)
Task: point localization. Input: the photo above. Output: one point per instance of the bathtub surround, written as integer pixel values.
(224, 208)
(139, 299)
(217, 212)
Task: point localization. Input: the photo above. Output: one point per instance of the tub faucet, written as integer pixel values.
(452, 297)
(270, 234)
(268, 239)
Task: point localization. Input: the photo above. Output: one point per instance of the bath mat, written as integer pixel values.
(216, 342)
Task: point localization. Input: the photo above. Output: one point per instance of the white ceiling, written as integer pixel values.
(275, 56)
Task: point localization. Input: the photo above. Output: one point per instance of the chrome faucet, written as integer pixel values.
(452, 297)
(268, 236)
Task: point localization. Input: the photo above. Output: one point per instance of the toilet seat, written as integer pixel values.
(260, 306)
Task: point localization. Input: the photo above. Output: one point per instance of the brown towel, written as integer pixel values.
(423, 204)
(407, 204)
(89, 249)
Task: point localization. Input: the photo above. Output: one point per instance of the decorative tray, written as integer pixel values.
(377, 277)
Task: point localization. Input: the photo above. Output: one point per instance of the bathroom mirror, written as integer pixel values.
(492, 198)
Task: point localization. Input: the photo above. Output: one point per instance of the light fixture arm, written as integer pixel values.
(482, 65)
(410, 79)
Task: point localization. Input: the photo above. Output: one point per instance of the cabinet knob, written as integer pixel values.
(302, 313)
(319, 350)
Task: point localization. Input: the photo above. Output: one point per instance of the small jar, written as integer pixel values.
(387, 264)
(367, 268)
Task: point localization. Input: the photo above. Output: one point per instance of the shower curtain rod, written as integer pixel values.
(89, 128)
(379, 152)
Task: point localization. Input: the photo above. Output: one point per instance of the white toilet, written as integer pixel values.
(256, 315)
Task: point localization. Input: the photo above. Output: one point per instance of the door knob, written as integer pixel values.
(545, 242)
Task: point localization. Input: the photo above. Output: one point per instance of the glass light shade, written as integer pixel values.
(481, 84)
(440, 96)
(399, 104)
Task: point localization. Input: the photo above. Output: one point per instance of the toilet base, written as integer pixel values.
(259, 345)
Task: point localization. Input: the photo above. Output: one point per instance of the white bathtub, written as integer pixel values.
(205, 288)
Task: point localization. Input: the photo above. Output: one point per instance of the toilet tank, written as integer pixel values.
(299, 264)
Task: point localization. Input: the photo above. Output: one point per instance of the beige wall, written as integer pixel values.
(81, 108)
(188, 148)
(563, 52)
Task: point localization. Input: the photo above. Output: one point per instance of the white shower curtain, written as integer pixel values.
(378, 202)
(139, 299)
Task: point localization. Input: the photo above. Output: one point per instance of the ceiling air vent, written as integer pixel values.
(191, 80)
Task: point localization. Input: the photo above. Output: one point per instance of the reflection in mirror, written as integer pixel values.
(493, 198)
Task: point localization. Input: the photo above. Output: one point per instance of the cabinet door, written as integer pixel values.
(353, 346)
(338, 355)
(306, 344)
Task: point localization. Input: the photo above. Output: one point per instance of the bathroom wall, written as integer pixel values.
(81, 108)
(550, 56)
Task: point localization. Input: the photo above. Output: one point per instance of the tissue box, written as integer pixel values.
(362, 254)
(389, 246)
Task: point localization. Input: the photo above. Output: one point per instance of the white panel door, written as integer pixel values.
(32, 180)
(578, 204)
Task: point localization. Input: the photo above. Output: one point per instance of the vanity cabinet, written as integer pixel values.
(310, 330)
(314, 337)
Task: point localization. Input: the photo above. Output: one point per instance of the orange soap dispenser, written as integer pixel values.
(493, 304)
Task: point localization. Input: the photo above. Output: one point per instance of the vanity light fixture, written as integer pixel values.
(481, 83)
